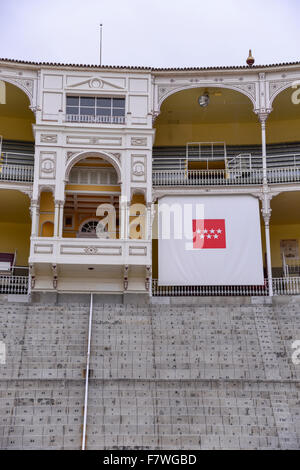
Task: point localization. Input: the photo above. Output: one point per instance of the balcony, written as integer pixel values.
(230, 177)
(81, 251)
(16, 173)
(83, 118)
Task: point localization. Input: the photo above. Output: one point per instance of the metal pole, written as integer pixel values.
(87, 374)
(101, 44)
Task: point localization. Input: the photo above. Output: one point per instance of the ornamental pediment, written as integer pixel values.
(95, 82)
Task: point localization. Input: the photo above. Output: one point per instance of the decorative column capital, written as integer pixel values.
(263, 115)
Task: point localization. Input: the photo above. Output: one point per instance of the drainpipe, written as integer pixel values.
(87, 375)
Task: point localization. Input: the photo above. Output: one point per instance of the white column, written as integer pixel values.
(266, 212)
(61, 218)
(56, 216)
(34, 218)
(263, 118)
(149, 221)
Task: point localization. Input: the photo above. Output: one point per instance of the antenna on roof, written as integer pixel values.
(101, 43)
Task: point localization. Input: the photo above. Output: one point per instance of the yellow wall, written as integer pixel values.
(16, 129)
(282, 232)
(16, 237)
(46, 214)
(231, 133)
(92, 187)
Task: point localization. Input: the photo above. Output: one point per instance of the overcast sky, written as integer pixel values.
(157, 33)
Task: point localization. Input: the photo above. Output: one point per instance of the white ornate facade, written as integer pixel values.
(65, 263)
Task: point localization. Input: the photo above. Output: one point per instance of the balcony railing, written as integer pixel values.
(224, 177)
(14, 285)
(18, 173)
(281, 286)
(95, 119)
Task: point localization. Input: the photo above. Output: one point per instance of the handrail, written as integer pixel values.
(87, 375)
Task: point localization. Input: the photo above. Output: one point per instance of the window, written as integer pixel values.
(93, 109)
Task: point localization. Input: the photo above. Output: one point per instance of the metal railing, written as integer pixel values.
(206, 177)
(20, 173)
(283, 175)
(14, 284)
(224, 177)
(95, 119)
(281, 286)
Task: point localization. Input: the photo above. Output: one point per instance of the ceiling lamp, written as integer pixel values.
(203, 100)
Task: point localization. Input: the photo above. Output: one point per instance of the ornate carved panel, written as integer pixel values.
(47, 165)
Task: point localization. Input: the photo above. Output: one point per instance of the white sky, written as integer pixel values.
(157, 33)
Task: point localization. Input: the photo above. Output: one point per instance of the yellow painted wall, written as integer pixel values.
(231, 133)
(282, 232)
(16, 237)
(16, 129)
(92, 187)
(46, 214)
(283, 131)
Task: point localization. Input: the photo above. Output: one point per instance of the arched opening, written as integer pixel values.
(15, 226)
(16, 133)
(227, 117)
(92, 196)
(47, 229)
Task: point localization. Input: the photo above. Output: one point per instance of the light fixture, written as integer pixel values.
(203, 100)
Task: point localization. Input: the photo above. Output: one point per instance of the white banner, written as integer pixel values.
(209, 240)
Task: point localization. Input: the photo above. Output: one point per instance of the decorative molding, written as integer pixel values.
(55, 275)
(91, 250)
(276, 86)
(49, 138)
(125, 277)
(47, 165)
(138, 141)
(136, 250)
(96, 83)
(148, 277)
(138, 168)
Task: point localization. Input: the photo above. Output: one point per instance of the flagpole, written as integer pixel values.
(101, 43)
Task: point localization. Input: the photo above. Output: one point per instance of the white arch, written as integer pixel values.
(98, 154)
(21, 87)
(281, 89)
(206, 85)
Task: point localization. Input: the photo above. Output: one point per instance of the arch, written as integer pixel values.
(98, 154)
(206, 85)
(284, 87)
(47, 229)
(21, 87)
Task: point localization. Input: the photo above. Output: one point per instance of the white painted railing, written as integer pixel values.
(206, 177)
(95, 119)
(286, 286)
(283, 175)
(224, 177)
(14, 285)
(281, 286)
(21, 173)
